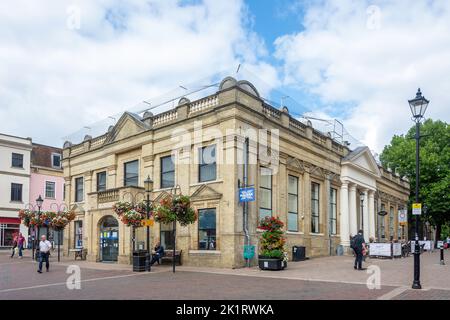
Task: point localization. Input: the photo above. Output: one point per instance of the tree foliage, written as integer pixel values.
(434, 181)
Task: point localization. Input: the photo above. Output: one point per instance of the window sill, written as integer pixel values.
(205, 252)
(294, 232)
(16, 202)
(317, 234)
(206, 182)
(18, 168)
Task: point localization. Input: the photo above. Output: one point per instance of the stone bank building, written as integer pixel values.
(322, 190)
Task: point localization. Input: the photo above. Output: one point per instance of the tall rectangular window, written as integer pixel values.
(292, 224)
(56, 160)
(131, 173)
(265, 193)
(78, 234)
(166, 235)
(207, 164)
(167, 172)
(391, 223)
(17, 160)
(79, 189)
(16, 192)
(101, 181)
(333, 211)
(315, 201)
(50, 189)
(382, 227)
(207, 229)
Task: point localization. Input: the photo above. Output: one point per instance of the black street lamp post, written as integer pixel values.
(418, 107)
(39, 202)
(148, 188)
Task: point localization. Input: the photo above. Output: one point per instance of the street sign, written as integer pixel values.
(249, 252)
(417, 209)
(148, 222)
(246, 194)
(402, 217)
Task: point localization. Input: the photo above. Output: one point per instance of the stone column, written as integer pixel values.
(352, 212)
(344, 216)
(372, 214)
(366, 221)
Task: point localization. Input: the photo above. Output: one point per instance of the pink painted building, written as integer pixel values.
(47, 181)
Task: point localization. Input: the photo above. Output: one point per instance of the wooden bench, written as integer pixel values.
(79, 253)
(168, 257)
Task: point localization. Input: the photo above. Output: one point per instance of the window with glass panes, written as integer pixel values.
(292, 224)
(17, 160)
(391, 222)
(79, 189)
(382, 227)
(78, 234)
(167, 172)
(56, 160)
(50, 189)
(333, 211)
(265, 193)
(16, 192)
(166, 235)
(131, 173)
(315, 200)
(207, 164)
(101, 181)
(207, 229)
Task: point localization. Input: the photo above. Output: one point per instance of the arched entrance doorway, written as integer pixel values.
(109, 239)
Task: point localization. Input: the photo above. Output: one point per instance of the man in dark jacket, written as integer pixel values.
(159, 253)
(358, 244)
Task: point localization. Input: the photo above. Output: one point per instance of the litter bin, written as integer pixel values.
(141, 260)
(298, 253)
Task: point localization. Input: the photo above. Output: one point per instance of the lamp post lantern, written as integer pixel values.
(418, 107)
(148, 183)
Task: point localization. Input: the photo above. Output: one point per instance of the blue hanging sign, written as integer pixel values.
(246, 194)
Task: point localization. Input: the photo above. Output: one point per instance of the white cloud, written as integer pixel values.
(55, 79)
(373, 58)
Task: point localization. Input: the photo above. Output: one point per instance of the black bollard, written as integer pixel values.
(442, 256)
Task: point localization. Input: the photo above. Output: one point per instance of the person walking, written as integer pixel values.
(13, 250)
(159, 253)
(20, 244)
(44, 253)
(358, 245)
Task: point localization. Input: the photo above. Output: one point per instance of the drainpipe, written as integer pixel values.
(245, 204)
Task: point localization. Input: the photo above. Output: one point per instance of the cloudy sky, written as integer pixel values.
(67, 64)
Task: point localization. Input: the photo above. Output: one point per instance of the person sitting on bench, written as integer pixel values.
(159, 253)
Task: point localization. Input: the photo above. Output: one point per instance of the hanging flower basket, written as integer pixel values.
(61, 219)
(132, 215)
(175, 208)
(273, 255)
(121, 207)
(55, 220)
(133, 218)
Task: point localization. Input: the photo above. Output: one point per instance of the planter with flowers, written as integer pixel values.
(59, 220)
(175, 208)
(129, 214)
(172, 209)
(273, 255)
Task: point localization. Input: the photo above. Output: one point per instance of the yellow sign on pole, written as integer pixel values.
(148, 222)
(417, 209)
